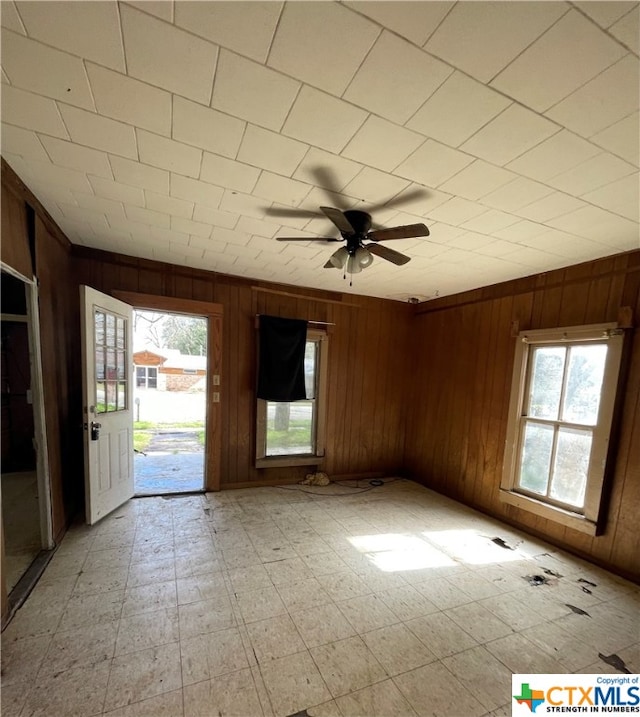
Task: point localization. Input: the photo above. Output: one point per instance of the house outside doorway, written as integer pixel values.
(170, 368)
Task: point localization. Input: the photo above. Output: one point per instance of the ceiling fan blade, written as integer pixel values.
(338, 218)
(404, 232)
(395, 257)
(307, 239)
(326, 179)
(403, 198)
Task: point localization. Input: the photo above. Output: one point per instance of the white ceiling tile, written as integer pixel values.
(140, 175)
(215, 217)
(457, 109)
(23, 142)
(197, 191)
(564, 244)
(382, 144)
(498, 248)
(108, 207)
(522, 232)
(160, 8)
(476, 180)
(433, 163)
(147, 216)
(169, 235)
(373, 186)
(442, 233)
(167, 154)
(168, 205)
(259, 228)
(456, 211)
(327, 170)
(228, 173)
(99, 132)
(470, 240)
(238, 203)
(627, 30)
(413, 20)
(230, 236)
(45, 71)
(206, 128)
(376, 85)
(139, 231)
(323, 120)
(31, 111)
(555, 155)
(599, 225)
(61, 177)
(594, 173)
(549, 207)
(491, 221)
(188, 226)
(167, 56)
(116, 191)
(481, 38)
(621, 193)
(605, 12)
(246, 27)
(510, 134)
(74, 156)
(129, 100)
(516, 194)
(10, 19)
(622, 138)
(271, 151)
(80, 214)
(303, 47)
(547, 71)
(252, 91)
(53, 194)
(86, 29)
(606, 99)
(281, 189)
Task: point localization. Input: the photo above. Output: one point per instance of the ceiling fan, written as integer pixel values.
(354, 226)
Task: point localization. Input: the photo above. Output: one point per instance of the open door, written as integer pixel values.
(107, 402)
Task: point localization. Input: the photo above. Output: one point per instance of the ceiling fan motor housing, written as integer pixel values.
(361, 223)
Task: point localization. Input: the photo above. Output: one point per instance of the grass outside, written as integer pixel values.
(299, 433)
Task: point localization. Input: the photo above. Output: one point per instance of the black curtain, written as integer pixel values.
(281, 366)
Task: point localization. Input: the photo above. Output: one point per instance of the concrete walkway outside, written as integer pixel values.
(172, 463)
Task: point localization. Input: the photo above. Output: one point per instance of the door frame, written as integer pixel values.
(213, 313)
(43, 476)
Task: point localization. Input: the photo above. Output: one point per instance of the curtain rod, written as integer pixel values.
(321, 323)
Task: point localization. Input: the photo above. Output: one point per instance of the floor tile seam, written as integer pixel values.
(461, 681)
(501, 661)
(376, 681)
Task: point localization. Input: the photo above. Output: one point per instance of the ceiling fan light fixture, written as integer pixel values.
(353, 265)
(364, 257)
(339, 258)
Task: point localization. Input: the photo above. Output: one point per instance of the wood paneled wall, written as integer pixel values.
(367, 361)
(458, 407)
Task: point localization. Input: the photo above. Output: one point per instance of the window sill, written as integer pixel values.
(284, 461)
(575, 521)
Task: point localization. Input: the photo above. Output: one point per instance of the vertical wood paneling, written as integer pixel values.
(459, 405)
(14, 244)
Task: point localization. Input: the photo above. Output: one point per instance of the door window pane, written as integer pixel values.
(111, 396)
(100, 364)
(546, 381)
(122, 395)
(121, 368)
(101, 397)
(99, 328)
(120, 333)
(110, 336)
(584, 384)
(536, 458)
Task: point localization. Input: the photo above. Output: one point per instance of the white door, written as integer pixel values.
(107, 363)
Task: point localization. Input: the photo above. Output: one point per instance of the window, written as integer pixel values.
(146, 377)
(111, 372)
(560, 416)
(293, 433)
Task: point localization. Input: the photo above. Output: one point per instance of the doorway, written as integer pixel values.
(169, 401)
(25, 499)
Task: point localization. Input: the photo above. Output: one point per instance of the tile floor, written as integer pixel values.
(270, 601)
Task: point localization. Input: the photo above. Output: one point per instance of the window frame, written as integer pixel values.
(319, 423)
(587, 518)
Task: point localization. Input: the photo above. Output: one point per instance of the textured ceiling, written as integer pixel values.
(198, 132)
